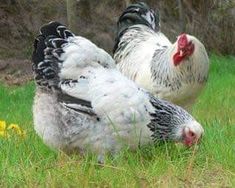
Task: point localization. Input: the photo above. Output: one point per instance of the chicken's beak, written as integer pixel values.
(181, 53)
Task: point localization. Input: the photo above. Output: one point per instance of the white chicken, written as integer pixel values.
(83, 103)
(175, 72)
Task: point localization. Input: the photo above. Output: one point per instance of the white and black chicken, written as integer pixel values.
(175, 72)
(83, 103)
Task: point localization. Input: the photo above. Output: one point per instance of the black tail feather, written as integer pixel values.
(47, 49)
(138, 13)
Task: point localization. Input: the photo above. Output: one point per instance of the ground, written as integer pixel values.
(15, 71)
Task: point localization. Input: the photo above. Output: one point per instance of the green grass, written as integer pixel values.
(29, 163)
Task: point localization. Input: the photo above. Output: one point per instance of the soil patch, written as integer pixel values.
(15, 71)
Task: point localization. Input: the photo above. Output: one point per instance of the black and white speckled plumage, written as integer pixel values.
(138, 13)
(85, 104)
(146, 56)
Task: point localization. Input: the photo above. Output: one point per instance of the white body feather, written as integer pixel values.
(119, 104)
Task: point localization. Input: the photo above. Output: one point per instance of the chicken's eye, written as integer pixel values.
(191, 134)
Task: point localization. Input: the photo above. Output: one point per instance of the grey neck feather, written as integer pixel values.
(166, 120)
(164, 72)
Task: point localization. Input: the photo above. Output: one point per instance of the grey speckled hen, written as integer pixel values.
(84, 104)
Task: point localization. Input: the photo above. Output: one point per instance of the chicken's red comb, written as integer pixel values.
(182, 41)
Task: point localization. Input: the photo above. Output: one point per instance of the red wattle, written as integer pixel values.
(177, 58)
(188, 142)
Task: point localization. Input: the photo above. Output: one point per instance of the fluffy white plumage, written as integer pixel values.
(83, 103)
(147, 57)
(82, 53)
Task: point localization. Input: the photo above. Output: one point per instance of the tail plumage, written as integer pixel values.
(46, 48)
(59, 55)
(139, 13)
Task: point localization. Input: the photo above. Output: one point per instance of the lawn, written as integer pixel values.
(27, 162)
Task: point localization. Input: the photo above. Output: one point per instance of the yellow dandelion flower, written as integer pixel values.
(2, 126)
(3, 132)
(15, 128)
